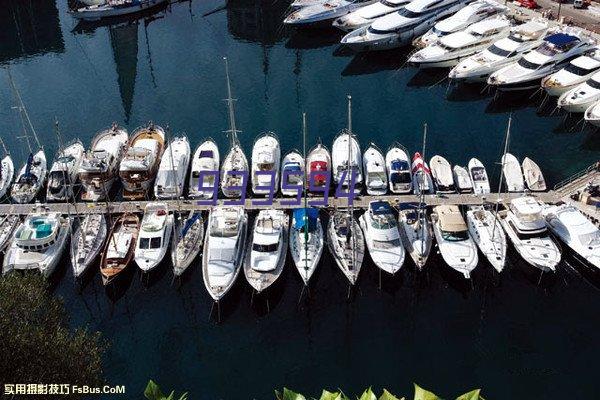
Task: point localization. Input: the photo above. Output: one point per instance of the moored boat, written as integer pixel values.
(416, 233)
(154, 236)
(346, 243)
(64, 171)
(8, 224)
(187, 241)
(398, 168)
(513, 174)
(170, 179)
(487, 233)
(421, 175)
(113, 8)
(266, 156)
(376, 181)
(441, 171)
(306, 241)
(206, 159)
(7, 172)
(347, 161)
(119, 248)
(30, 179)
(318, 165)
(292, 173)
(479, 177)
(462, 180)
(533, 175)
(87, 242)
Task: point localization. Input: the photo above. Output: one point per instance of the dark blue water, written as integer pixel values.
(508, 334)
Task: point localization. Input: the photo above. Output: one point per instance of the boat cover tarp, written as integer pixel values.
(292, 167)
(188, 223)
(304, 216)
(206, 154)
(381, 207)
(560, 39)
(400, 165)
(409, 206)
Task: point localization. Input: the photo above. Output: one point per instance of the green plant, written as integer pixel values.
(153, 392)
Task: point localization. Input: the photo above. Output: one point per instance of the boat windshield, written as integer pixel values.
(593, 83)
(528, 64)
(498, 51)
(579, 71)
(389, 244)
(150, 243)
(455, 236)
(383, 221)
(265, 248)
(479, 174)
(590, 239)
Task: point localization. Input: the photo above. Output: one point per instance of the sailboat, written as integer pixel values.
(487, 233)
(173, 169)
(235, 164)
(513, 175)
(318, 167)
(87, 242)
(64, 171)
(206, 158)
(187, 241)
(266, 156)
(7, 171)
(422, 180)
(415, 228)
(347, 158)
(119, 248)
(8, 224)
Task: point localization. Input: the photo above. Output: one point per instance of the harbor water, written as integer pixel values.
(510, 334)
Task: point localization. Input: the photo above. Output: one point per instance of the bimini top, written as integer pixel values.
(304, 217)
(380, 207)
(399, 165)
(560, 39)
(450, 219)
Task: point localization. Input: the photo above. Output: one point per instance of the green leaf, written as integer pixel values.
(184, 396)
(153, 392)
(388, 396)
(422, 394)
(171, 396)
(331, 395)
(472, 395)
(291, 395)
(368, 395)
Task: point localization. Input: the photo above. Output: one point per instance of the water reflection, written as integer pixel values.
(364, 63)
(257, 21)
(29, 28)
(124, 42)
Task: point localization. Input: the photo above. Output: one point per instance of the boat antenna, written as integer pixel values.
(23, 110)
(232, 128)
(6, 152)
(349, 113)
(305, 201)
(506, 142)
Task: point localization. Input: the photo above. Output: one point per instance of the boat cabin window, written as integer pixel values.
(265, 248)
(593, 83)
(388, 4)
(579, 71)
(498, 51)
(150, 243)
(455, 236)
(528, 64)
(590, 239)
(383, 221)
(434, 4)
(526, 235)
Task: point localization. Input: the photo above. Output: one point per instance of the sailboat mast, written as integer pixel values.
(65, 173)
(351, 208)
(305, 189)
(423, 224)
(232, 128)
(4, 147)
(506, 141)
(23, 110)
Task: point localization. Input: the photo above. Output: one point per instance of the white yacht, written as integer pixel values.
(556, 50)
(487, 233)
(7, 172)
(416, 233)
(292, 173)
(346, 243)
(38, 243)
(462, 179)
(479, 177)
(346, 161)
(63, 173)
(234, 165)
(452, 235)
(206, 159)
(100, 164)
(306, 241)
(421, 176)
(30, 179)
(581, 97)
(376, 181)
(266, 156)
(441, 171)
(323, 12)
(87, 242)
(269, 239)
(367, 14)
(382, 236)
(592, 114)
(318, 166)
(224, 249)
(525, 226)
(305, 3)
(170, 179)
(522, 39)
(513, 174)
(451, 49)
(113, 8)
(576, 231)
(577, 71)
(398, 169)
(8, 224)
(154, 236)
(532, 175)
(187, 241)
(466, 16)
(401, 27)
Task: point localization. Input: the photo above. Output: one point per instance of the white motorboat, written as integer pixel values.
(170, 179)
(398, 169)
(376, 181)
(154, 237)
(582, 97)
(479, 177)
(30, 179)
(513, 174)
(466, 16)
(269, 239)
(554, 53)
(38, 243)
(306, 241)
(592, 114)
(7, 172)
(187, 241)
(382, 236)
(347, 161)
(140, 163)
(416, 233)
(114, 8)
(421, 176)
(119, 248)
(441, 172)
(401, 27)
(266, 156)
(86, 243)
(206, 159)
(522, 39)
(8, 224)
(462, 179)
(525, 226)
(224, 249)
(533, 175)
(367, 14)
(346, 243)
(487, 233)
(100, 164)
(323, 12)
(305, 3)
(452, 235)
(453, 48)
(576, 72)
(576, 231)
(318, 164)
(64, 171)
(292, 174)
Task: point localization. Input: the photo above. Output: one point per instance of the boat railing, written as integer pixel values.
(575, 177)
